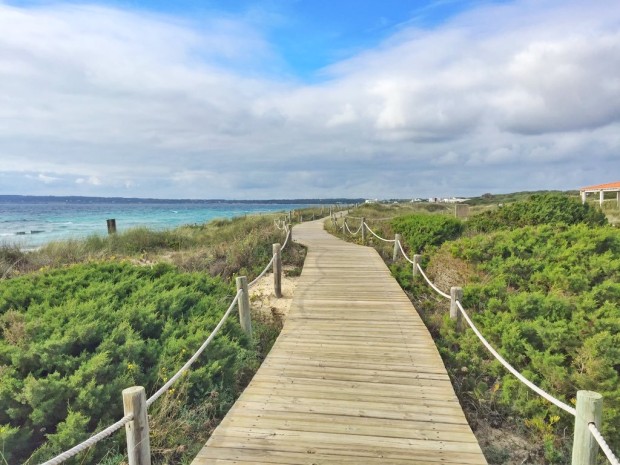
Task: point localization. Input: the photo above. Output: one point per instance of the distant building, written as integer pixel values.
(601, 189)
(447, 200)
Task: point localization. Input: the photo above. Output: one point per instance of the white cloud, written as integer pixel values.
(500, 97)
(45, 179)
(92, 180)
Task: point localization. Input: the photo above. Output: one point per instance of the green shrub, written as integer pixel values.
(421, 232)
(73, 338)
(551, 307)
(539, 209)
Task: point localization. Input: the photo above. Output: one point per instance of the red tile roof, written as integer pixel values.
(609, 185)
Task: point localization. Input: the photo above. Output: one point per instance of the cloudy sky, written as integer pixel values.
(307, 98)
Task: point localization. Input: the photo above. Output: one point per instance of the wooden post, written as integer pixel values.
(363, 231)
(277, 271)
(396, 241)
(301, 218)
(111, 226)
(137, 430)
(589, 410)
(602, 198)
(417, 259)
(343, 226)
(290, 231)
(456, 293)
(244, 305)
(289, 216)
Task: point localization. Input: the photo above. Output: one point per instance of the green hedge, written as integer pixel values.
(538, 209)
(550, 303)
(423, 231)
(72, 339)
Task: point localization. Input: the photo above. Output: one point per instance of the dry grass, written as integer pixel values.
(221, 247)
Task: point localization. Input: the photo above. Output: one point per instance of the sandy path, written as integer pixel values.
(262, 298)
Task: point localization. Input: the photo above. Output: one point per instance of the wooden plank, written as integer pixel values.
(354, 377)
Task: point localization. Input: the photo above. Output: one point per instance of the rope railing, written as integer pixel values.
(603, 444)
(400, 246)
(430, 283)
(376, 235)
(454, 298)
(544, 394)
(351, 232)
(273, 257)
(263, 273)
(194, 357)
(90, 441)
(288, 236)
(162, 390)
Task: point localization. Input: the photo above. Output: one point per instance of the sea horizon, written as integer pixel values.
(81, 198)
(29, 222)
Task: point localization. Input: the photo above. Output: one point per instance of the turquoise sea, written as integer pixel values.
(30, 224)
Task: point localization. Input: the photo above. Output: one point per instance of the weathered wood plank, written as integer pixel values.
(353, 378)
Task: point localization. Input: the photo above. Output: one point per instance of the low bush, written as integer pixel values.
(539, 209)
(73, 338)
(423, 231)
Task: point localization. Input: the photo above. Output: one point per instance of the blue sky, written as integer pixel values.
(247, 99)
(308, 35)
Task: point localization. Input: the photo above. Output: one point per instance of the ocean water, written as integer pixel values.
(32, 224)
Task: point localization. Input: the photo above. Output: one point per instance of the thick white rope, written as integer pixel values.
(204, 345)
(603, 444)
(404, 254)
(288, 235)
(90, 441)
(277, 224)
(267, 268)
(270, 264)
(351, 232)
(439, 291)
(378, 237)
(519, 376)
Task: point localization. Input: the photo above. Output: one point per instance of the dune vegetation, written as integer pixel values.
(82, 320)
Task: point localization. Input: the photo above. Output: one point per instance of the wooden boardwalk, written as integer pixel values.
(354, 377)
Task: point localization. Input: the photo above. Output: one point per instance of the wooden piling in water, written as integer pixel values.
(111, 223)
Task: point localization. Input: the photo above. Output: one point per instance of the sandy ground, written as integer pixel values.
(262, 298)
